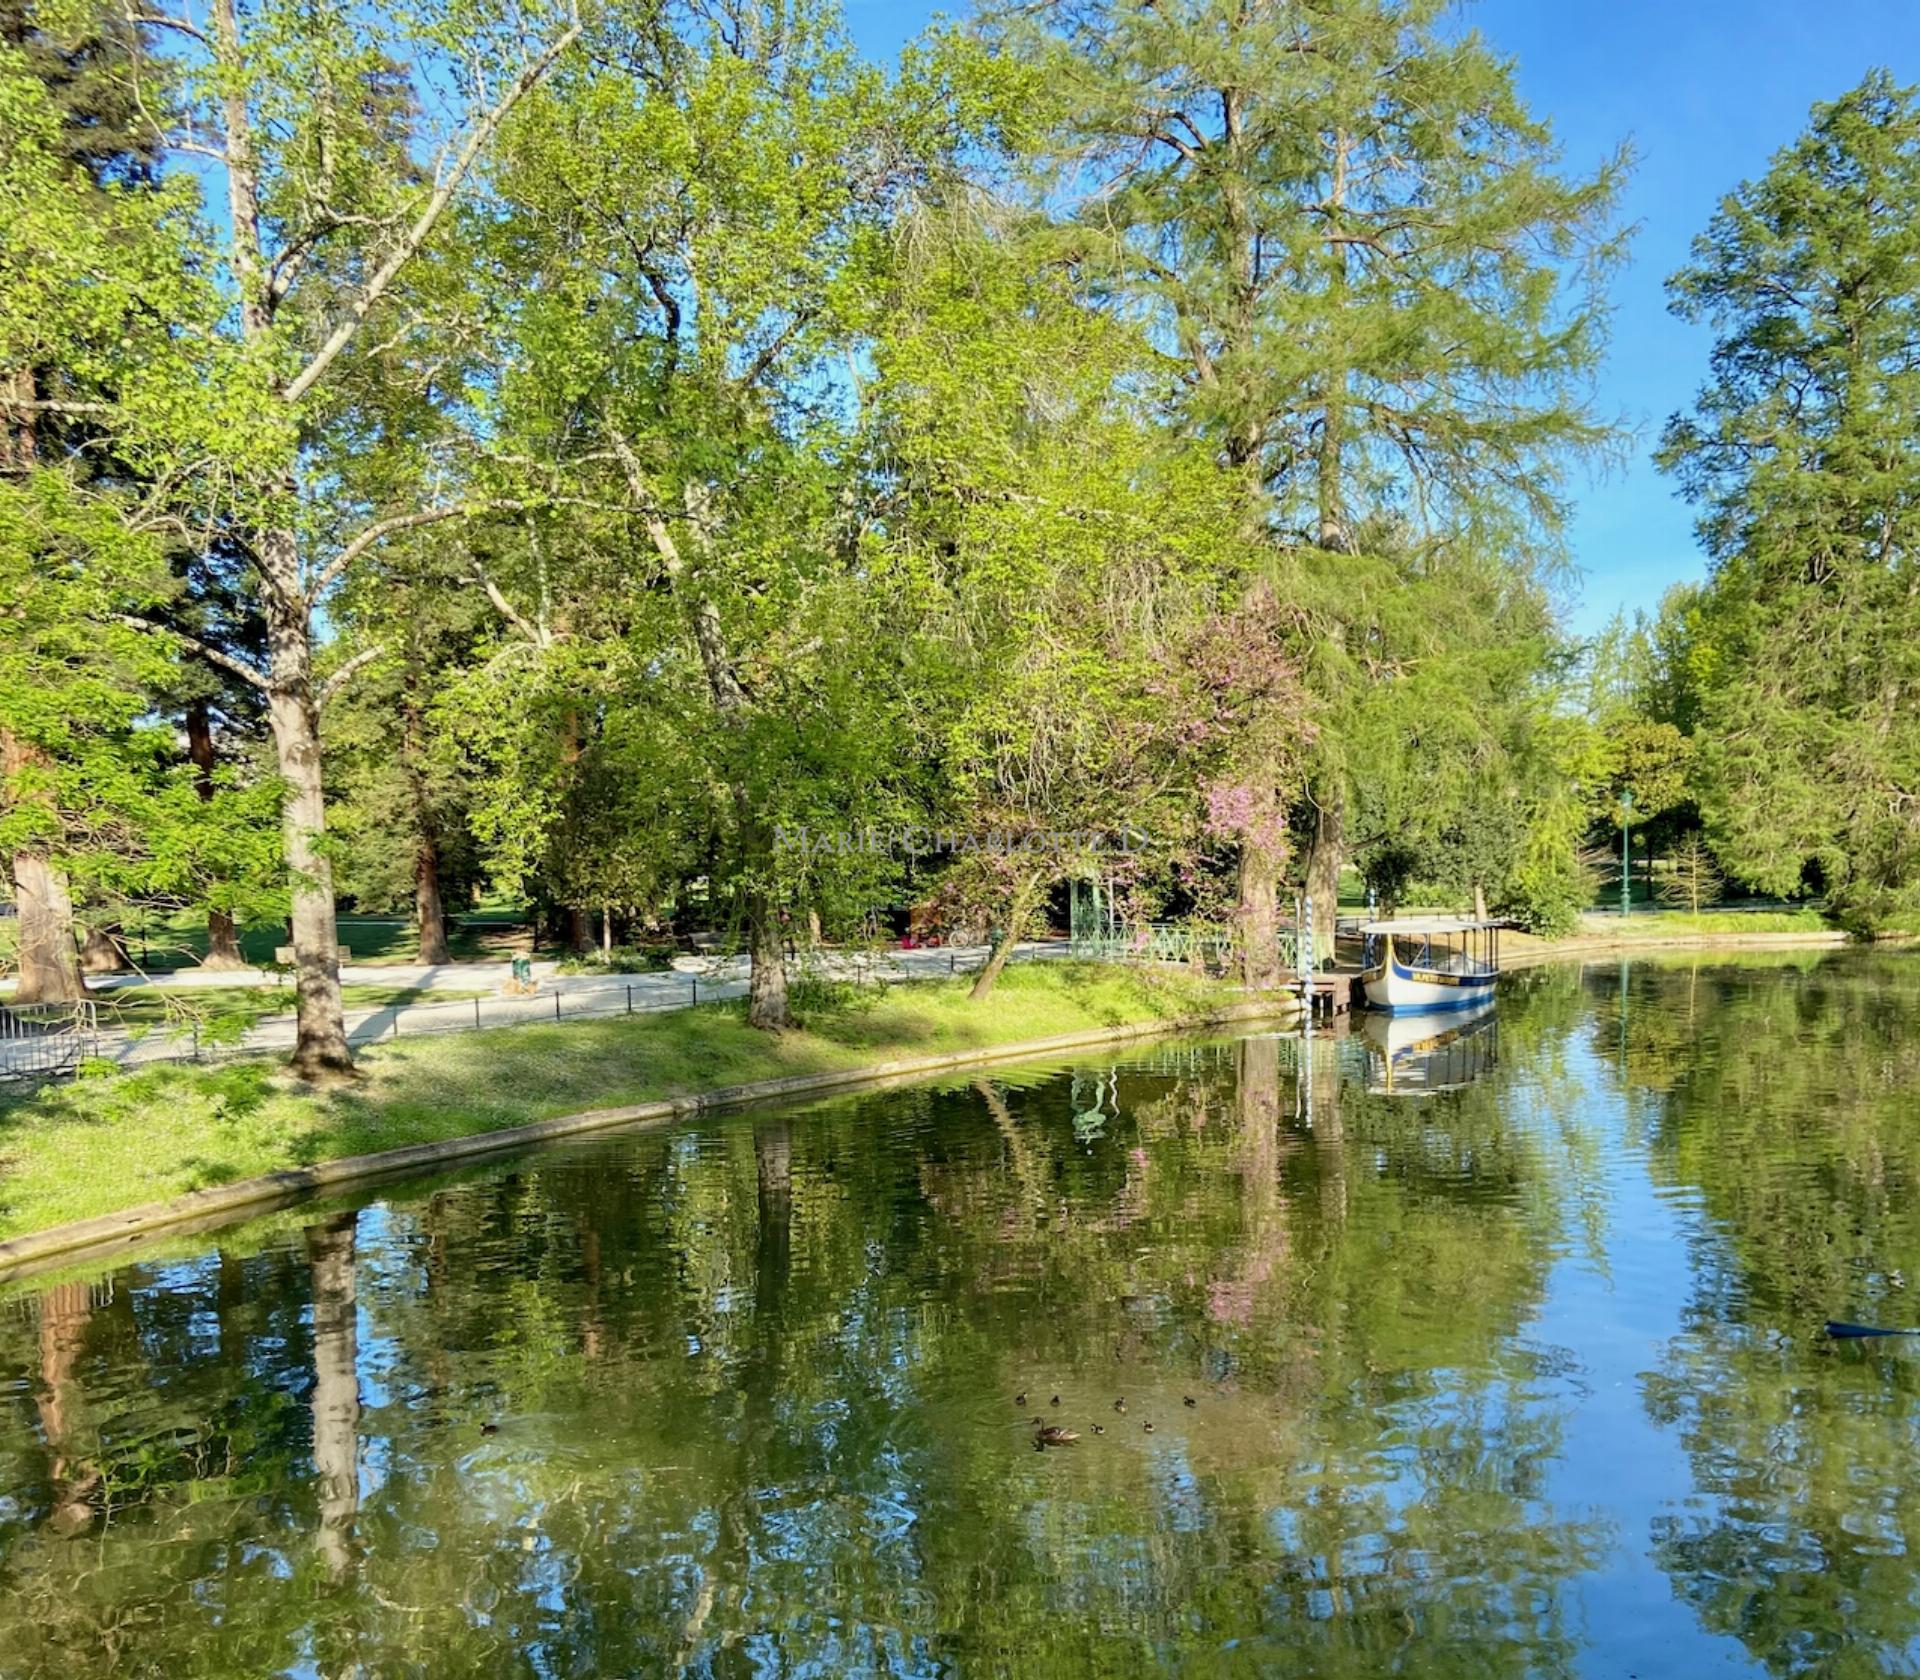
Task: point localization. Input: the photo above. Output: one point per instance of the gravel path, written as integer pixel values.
(561, 997)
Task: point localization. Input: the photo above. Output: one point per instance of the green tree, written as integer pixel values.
(1377, 289)
(1083, 657)
(285, 423)
(1799, 453)
(690, 262)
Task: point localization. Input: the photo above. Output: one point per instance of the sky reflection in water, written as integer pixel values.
(1518, 1377)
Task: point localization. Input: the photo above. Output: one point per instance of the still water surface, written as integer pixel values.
(1521, 1376)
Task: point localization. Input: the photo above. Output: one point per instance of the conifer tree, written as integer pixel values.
(1800, 455)
(1377, 292)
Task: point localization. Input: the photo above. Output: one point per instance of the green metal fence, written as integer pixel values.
(1096, 929)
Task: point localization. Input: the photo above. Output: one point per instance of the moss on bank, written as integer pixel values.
(101, 1144)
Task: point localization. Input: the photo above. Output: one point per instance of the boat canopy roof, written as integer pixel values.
(1427, 924)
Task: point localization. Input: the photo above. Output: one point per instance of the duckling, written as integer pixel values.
(489, 1429)
(1020, 1399)
(1188, 1400)
(1120, 1405)
(1147, 1427)
(1054, 1401)
(1053, 1435)
(1099, 1429)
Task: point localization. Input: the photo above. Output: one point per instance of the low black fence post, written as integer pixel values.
(629, 1000)
(476, 1012)
(696, 987)
(556, 1006)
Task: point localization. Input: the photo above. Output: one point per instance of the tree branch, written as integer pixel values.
(55, 406)
(200, 650)
(340, 678)
(536, 634)
(423, 226)
(381, 529)
(160, 20)
(772, 352)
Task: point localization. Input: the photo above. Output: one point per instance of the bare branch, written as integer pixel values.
(160, 20)
(54, 406)
(381, 529)
(423, 226)
(199, 148)
(534, 633)
(773, 351)
(200, 650)
(340, 678)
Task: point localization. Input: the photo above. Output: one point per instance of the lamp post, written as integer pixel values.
(1626, 866)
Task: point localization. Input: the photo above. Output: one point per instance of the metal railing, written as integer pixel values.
(42, 1040)
(196, 1041)
(1175, 942)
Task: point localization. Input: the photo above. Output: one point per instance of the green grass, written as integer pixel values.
(1679, 924)
(74, 1150)
(178, 938)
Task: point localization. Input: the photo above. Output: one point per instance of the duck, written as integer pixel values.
(1054, 1435)
(1020, 1399)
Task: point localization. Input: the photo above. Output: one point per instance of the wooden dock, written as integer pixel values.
(1330, 991)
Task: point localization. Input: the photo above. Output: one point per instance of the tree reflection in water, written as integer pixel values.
(738, 1398)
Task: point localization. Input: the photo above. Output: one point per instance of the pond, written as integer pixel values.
(1491, 1351)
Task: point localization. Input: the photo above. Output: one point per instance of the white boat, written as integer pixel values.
(1430, 962)
(1421, 1055)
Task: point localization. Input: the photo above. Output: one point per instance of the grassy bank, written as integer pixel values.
(1679, 924)
(100, 1144)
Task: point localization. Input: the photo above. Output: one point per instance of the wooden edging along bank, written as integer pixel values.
(208, 1207)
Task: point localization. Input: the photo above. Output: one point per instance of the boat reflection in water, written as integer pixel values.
(1419, 1055)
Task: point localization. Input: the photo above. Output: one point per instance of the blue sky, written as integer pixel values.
(1706, 90)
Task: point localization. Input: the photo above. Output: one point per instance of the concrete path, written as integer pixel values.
(561, 997)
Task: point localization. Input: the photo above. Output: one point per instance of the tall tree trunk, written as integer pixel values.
(102, 950)
(428, 911)
(320, 1048)
(1330, 465)
(48, 959)
(1257, 917)
(606, 933)
(1323, 862)
(336, 1389)
(1026, 894)
(1479, 901)
(767, 985)
(579, 931)
(223, 938)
